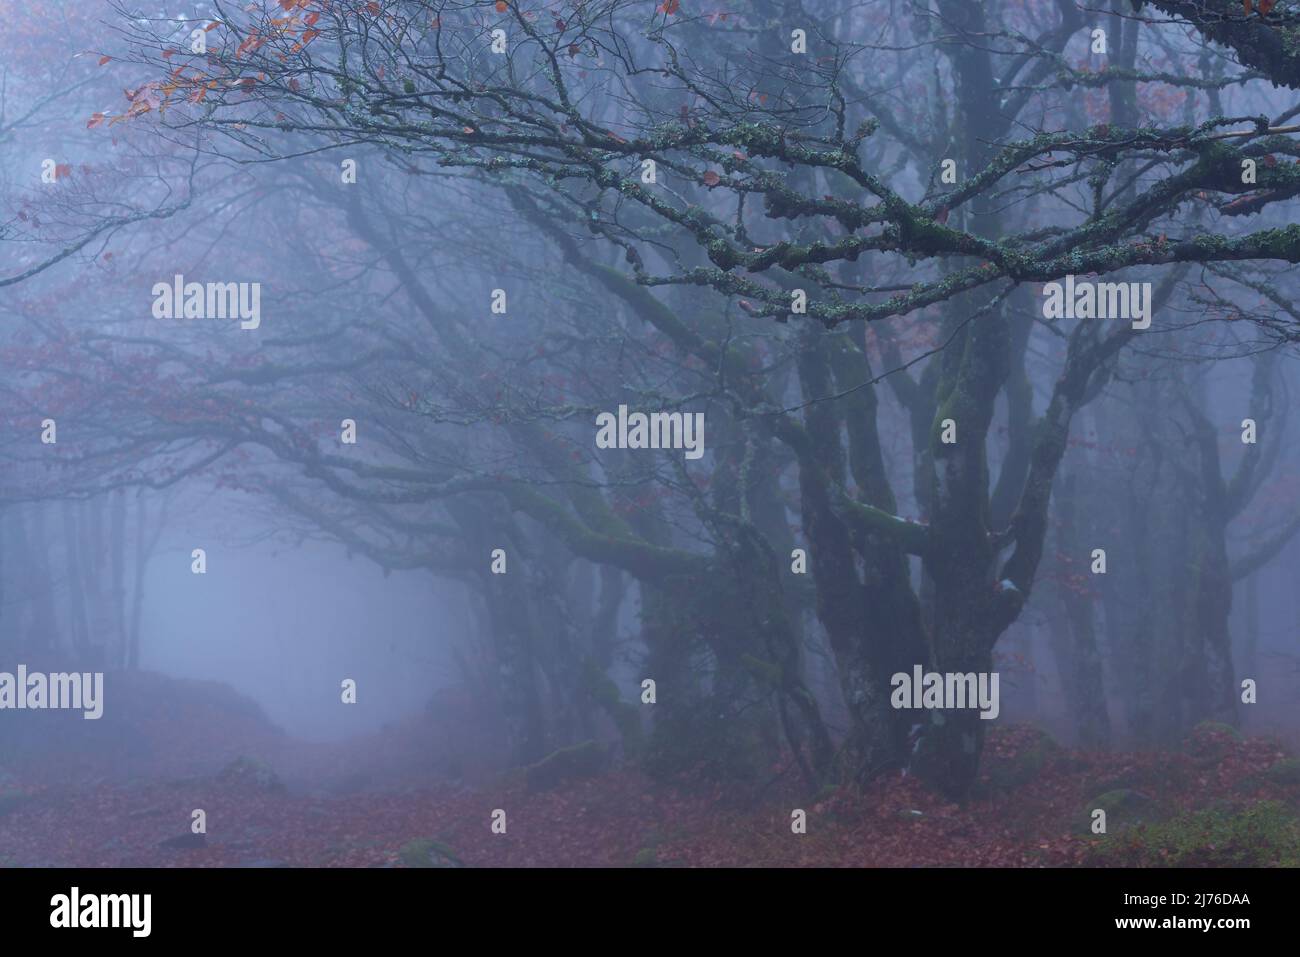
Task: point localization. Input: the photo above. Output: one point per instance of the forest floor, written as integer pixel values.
(270, 801)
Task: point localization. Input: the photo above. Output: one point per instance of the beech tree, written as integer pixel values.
(789, 218)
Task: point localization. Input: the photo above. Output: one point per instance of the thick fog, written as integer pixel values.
(414, 410)
(287, 621)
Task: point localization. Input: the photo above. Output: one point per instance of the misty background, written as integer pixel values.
(499, 588)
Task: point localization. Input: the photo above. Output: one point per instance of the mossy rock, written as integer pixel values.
(1216, 728)
(1266, 834)
(253, 774)
(428, 852)
(1010, 772)
(1124, 807)
(650, 857)
(1211, 741)
(646, 857)
(1285, 772)
(567, 764)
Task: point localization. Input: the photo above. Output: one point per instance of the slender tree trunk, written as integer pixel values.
(142, 552)
(77, 628)
(117, 564)
(1078, 657)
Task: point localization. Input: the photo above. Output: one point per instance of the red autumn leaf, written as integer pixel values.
(669, 7)
(373, 8)
(312, 18)
(168, 54)
(95, 120)
(104, 59)
(501, 6)
(62, 169)
(711, 178)
(212, 26)
(574, 50)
